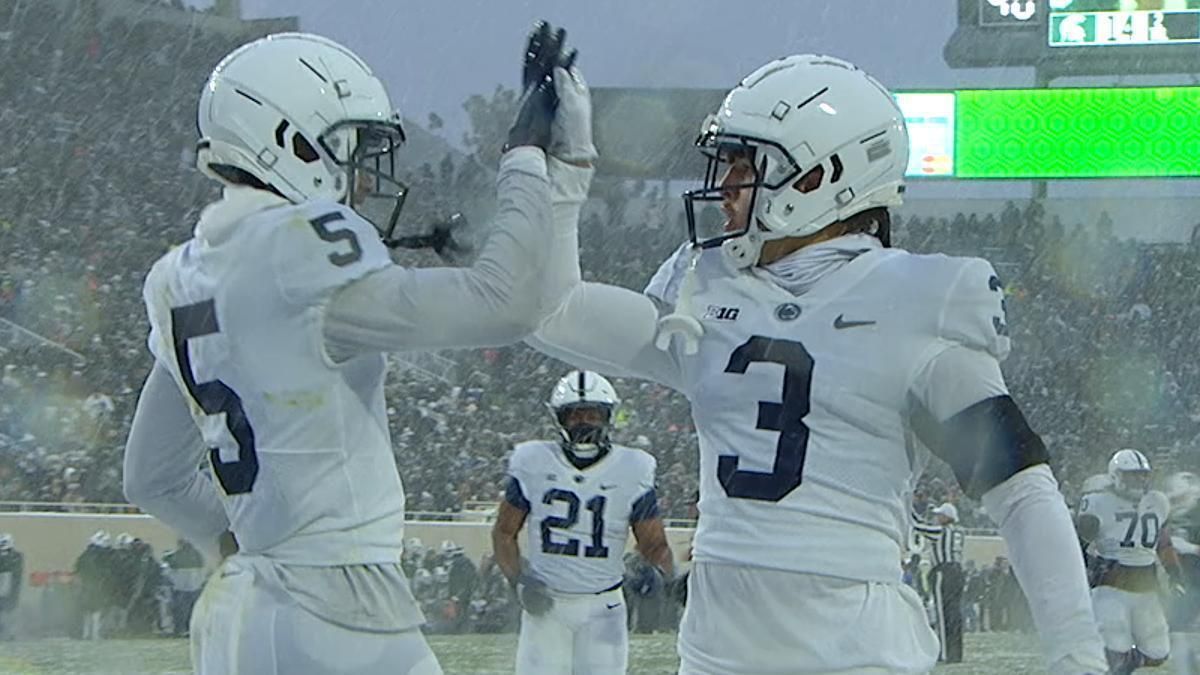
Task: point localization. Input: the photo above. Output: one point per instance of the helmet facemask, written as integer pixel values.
(771, 168)
(584, 439)
(1133, 484)
(365, 150)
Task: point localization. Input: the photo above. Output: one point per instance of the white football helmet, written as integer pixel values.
(809, 117)
(101, 539)
(6, 541)
(583, 389)
(1183, 490)
(1129, 471)
(303, 116)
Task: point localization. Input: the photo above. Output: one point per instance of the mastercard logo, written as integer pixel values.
(936, 164)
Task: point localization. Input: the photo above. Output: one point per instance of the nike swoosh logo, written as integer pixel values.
(606, 487)
(612, 606)
(841, 323)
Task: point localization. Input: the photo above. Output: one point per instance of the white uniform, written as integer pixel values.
(1128, 537)
(269, 327)
(801, 404)
(578, 523)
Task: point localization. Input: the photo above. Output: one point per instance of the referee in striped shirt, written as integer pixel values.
(946, 578)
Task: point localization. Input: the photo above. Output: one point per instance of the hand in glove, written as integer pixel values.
(571, 132)
(532, 594)
(539, 100)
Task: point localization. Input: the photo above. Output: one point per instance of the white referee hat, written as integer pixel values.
(948, 510)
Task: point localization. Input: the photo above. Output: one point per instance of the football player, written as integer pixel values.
(810, 351)
(1183, 494)
(581, 495)
(269, 328)
(1122, 525)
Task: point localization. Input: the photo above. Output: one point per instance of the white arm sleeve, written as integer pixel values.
(496, 301)
(610, 330)
(596, 327)
(1036, 526)
(162, 465)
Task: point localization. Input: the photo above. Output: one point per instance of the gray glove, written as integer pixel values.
(571, 131)
(532, 594)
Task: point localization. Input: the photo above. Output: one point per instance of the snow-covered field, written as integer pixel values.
(1006, 653)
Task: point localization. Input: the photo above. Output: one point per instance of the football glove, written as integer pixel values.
(539, 100)
(533, 595)
(677, 588)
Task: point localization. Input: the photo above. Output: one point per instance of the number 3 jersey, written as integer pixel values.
(802, 403)
(578, 519)
(1129, 528)
(300, 443)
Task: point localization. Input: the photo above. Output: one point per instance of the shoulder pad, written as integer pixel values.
(1160, 501)
(321, 246)
(664, 285)
(973, 312)
(1097, 483)
(155, 294)
(523, 453)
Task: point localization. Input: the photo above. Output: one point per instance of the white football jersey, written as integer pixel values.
(1128, 528)
(579, 519)
(300, 444)
(801, 402)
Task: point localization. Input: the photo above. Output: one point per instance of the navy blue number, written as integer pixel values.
(786, 417)
(1149, 534)
(571, 547)
(597, 549)
(215, 397)
(1150, 528)
(334, 236)
(596, 505)
(1132, 516)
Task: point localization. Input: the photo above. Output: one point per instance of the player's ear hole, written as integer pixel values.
(303, 149)
(811, 180)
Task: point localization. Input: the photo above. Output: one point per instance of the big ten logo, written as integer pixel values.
(717, 313)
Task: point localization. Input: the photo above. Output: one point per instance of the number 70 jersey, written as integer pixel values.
(1129, 528)
(298, 444)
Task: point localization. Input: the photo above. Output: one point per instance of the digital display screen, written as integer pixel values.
(930, 120)
(1078, 133)
(1104, 23)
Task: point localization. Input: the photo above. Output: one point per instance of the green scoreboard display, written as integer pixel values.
(1124, 132)
(1058, 133)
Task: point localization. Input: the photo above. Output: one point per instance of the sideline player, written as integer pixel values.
(1183, 493)
(1123, 525)
(268, 330)
(809, 350)
(581, 495)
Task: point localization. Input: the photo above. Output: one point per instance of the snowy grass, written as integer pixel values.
(989, 653)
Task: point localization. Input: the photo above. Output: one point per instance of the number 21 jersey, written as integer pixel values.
(802, 402)
(579, 519)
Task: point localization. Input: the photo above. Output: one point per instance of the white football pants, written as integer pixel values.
(755, 621)
(580, 635)
(246, 624)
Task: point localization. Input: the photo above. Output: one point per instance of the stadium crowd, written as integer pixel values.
(96, 181)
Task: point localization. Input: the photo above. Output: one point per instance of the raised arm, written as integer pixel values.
(495, 301)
